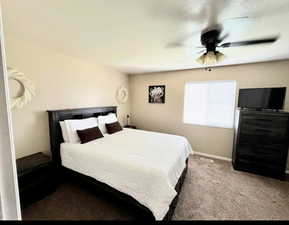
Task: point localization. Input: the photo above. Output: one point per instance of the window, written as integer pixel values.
(210, 103)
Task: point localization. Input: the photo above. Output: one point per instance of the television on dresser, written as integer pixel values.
(262, 98)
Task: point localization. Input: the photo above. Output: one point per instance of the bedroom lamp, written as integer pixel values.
(211, 57)
(127, 119)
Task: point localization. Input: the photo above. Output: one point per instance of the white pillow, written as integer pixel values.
(102, 120)
(73, 125)
(64, 131)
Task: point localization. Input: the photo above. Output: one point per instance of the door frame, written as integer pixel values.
(9, 193)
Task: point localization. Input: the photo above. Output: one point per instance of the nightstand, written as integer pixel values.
(130, 126)
(35, 177)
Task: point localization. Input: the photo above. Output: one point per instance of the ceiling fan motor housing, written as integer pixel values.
(210, 39)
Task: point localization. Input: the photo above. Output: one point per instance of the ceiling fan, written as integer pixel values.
(212, 37)
(211, 40)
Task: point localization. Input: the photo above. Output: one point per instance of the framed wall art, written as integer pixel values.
(157, 94)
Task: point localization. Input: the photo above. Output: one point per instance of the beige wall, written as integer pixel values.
(65, 82)
(61, 82)
(168, 117)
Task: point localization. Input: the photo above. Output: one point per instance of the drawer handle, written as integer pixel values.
(267, 120)
(263, 130)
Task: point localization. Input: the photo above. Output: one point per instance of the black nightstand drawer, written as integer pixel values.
(35, 177)
(35, 191)
(42, 173)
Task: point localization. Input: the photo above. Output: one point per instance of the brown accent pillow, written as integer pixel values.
(89, 134)
(113, 127)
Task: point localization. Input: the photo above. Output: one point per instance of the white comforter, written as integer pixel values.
(145, 165)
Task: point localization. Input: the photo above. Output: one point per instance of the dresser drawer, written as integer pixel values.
(268, 129)
(265, 120)
(270, 154)
(260, 168)
(257, 138)
(260, 165)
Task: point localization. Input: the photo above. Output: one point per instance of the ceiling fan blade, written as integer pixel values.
(181, 41)
(223, 38)
(180, 44)
(202, 51)
(174, 45)
(250, 42)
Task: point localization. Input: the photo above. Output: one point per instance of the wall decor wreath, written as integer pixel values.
(122, 95)
(27, 85)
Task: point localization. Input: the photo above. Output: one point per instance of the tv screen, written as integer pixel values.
(262, 98)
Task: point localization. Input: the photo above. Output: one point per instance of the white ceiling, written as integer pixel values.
(133, 35)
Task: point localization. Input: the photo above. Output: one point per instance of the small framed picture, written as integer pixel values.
(157, 94)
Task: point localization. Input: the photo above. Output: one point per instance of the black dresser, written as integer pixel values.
(261, 143)
(35, 177)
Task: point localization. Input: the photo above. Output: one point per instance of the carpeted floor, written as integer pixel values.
(212, 191)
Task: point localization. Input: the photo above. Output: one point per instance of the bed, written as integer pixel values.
(115, 163)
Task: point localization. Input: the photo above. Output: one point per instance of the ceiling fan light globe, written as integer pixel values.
(220, 56)
(201, 59)
(210, 58)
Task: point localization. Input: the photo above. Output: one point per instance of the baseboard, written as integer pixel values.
(219, 157)
(212, 156)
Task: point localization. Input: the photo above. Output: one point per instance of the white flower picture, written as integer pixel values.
(157, 94)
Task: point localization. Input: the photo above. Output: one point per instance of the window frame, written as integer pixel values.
(211, 81)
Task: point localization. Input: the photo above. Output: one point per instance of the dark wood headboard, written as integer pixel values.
(59, 115)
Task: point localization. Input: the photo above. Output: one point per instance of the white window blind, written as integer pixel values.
(210, 103)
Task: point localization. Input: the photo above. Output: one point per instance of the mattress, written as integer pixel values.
(145, 165)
